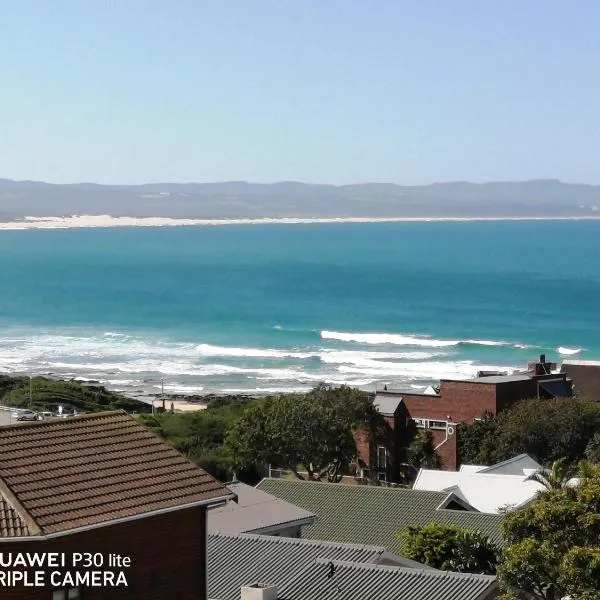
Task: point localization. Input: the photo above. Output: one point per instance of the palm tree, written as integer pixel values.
(555, 478)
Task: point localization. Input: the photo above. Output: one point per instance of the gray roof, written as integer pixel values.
(351, 580)
(255, 511)
(243, 559)
(374, 515)
(387, 404)
(500, 378)
(586, 377)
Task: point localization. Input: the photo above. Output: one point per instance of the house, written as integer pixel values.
(255, 511)
(494, 489)
(366, 514)
(251, 567)
(381, 457)
(105, 485)
(586, 378)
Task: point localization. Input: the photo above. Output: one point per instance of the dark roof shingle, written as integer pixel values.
(235, 560)
(299, 569)
(349, 580)
(64, 474)
(371, 514)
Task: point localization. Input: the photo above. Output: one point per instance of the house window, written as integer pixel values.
(381, 476)
(72, 593)
(381, 457)
(437, 424)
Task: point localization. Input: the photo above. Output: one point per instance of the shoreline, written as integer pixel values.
(108, 221)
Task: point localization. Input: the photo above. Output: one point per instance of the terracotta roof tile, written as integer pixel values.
(61, 475)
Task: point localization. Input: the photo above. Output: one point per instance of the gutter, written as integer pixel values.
(48, 536)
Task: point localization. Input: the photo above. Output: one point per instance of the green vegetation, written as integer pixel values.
(422, 453)
(450, 548)
(553, 545)
(312, 433)
(200, 435)
(48, 394)
(545, 429)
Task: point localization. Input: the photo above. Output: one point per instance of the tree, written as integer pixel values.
(475, 440)
(422, 452)
(556, 477)
(311, 432)
(450, 548)
(553, 545)
(592, 450)
(544, 429)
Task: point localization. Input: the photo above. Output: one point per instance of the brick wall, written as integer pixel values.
(168, 554)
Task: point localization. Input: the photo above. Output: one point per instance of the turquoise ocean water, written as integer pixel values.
(282, 307)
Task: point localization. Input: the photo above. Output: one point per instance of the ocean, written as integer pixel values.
(269, 308)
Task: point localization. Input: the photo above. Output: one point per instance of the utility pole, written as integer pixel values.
(162, 392)
(30, 394)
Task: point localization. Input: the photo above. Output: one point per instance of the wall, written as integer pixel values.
(167, 551)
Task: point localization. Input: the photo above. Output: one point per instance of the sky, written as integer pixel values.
(321, 91)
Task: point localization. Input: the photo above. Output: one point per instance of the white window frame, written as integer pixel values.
(379, 465)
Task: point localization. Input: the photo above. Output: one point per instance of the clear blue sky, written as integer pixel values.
(338, 91)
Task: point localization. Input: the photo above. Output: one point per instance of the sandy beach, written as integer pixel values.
(96, 221)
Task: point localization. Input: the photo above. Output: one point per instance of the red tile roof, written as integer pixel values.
(65, 474)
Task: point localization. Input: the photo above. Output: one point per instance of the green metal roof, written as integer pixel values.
(362, 514)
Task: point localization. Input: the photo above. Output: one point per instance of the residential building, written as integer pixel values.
(504, 486)
(102, 483)
(250, 567)
(382, 457)
(366, 514)
(586, 378)
(255, 511)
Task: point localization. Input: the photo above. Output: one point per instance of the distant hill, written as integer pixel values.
(239, 199)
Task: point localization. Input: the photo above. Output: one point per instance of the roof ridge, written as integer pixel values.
(379, 488)
(83, 417)
(24, 515)
(424, 572)
(298, 541)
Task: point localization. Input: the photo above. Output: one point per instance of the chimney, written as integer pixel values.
(258, 591)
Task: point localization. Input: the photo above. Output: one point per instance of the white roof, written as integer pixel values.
(471, 468)
(487, 489)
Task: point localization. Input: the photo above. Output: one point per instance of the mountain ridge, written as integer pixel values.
(241, 199)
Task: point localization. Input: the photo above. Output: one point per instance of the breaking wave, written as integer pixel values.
(402, 340)
(568, 351)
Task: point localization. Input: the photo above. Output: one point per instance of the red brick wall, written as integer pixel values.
(168, 555)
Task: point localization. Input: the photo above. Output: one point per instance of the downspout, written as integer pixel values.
(448, 426)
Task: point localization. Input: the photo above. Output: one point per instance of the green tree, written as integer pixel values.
(592, 450)
(475, 441)
(553, 545)
(311, 432)
(544, 429)
(556, 477)
(450, 548)
(422, 452)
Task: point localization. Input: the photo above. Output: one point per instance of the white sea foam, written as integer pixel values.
(568, 351)
(209, 350)
(183, 389)
(403, 340)
(355, 356)
(268, 390)
(93, 221)
(387, 338)
(425, 370)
